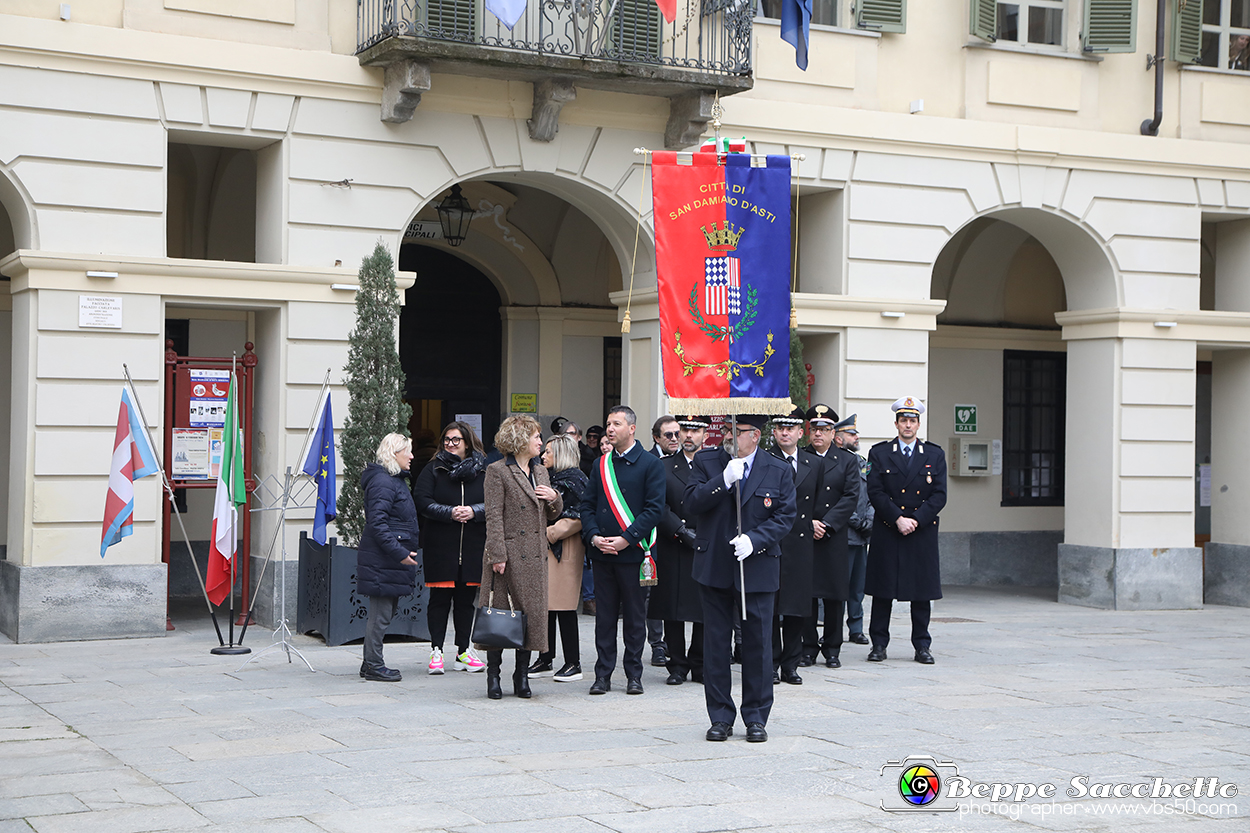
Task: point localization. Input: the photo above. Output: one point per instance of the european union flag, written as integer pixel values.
(796, 22)
(320, 464)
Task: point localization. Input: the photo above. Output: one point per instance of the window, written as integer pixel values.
(824, 12)
(611, 372)
(1226, 34)
(1031, 22)
(1033, 427)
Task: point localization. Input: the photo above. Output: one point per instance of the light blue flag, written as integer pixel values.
(796, 24)
(509, 11)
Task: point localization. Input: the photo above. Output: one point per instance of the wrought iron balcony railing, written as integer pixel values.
(707, 36)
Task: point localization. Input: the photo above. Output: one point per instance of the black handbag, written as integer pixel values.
(498, 628)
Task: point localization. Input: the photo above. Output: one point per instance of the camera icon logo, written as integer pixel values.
(917, 784)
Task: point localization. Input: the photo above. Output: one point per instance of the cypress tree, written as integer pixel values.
(375, 383)
(798, 372)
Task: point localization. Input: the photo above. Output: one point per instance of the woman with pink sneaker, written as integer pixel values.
(450, 494)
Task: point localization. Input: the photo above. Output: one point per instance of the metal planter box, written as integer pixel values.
(329, 604)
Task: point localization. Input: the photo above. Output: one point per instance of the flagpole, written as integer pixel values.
(742, 570)
(169, 490)
(232, 648)
(798, 157)
(312, 426)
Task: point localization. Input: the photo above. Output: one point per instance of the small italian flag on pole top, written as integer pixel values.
(231, 494)
(724, 145)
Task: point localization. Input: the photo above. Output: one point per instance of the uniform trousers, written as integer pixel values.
(719, 604)
(618, 593)
(788, 642)
(879, 624)
(855, 604)
(680, 660)
(831, 642)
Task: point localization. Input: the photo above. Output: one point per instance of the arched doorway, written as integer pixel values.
(998, 361)
(450, 344)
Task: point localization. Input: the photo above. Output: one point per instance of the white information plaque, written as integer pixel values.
(100, 311)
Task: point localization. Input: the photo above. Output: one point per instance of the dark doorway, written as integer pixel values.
(450, 343)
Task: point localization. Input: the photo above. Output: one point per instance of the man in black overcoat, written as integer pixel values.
(907, 487)
(721, 551)
(831, 561)
(676, 598)
(794, 599)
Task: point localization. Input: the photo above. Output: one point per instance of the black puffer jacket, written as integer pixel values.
(452, 551)
(390, 535)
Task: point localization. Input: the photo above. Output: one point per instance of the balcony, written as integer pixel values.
(559, 45)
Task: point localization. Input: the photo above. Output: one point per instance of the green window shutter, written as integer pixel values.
(1187, 31)
(1110, 26)
(984, 22)
(636, 30)
(881, 15)
(452, 19)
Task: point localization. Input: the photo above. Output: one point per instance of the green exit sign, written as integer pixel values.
(965, 419)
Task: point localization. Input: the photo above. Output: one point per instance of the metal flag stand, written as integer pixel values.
(290, 496)
(169, 493)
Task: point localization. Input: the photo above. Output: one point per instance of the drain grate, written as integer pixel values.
(955, 620)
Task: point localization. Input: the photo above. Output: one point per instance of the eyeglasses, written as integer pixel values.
(672, 435)
(452, 440)
(821, 429)
(742, 431)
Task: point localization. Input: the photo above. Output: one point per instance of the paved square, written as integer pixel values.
(158, 734)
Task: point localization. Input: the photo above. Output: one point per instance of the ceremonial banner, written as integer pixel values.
(722, 230)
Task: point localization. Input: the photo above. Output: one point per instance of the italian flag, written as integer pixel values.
(231, 494)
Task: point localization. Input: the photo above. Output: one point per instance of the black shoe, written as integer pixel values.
(601, 685)
(806, 661)
(494, 659)
(876, 655)
(858, 639)
(633, 686)
(588, 607)
(833, 662)
(719, 731)
(756, 733)
(570, 673)
(776, 677)
(675, 678)
(924, 657)
(659, 657)
(540, 668)
(791, 678)
(381, 674)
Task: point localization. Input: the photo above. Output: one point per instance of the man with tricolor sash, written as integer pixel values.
(620, 512)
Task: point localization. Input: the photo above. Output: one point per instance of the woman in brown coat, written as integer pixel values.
(519, 503)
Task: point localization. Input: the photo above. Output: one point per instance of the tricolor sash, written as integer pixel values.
(625, 517)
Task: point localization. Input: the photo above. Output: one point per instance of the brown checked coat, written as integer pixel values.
(516, 535)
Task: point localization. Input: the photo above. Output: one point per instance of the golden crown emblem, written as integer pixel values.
(725, 239)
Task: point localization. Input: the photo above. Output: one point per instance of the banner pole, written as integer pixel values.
(742, 570)
(169, 491)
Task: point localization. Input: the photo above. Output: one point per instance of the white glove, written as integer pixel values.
(733, 471)
(742, 545)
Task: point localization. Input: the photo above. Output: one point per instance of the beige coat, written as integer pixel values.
(564, 577)
(516, 535)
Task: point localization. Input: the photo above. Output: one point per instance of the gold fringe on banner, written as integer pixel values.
(734, 405)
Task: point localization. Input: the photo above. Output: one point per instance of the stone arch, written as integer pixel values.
(15, 203)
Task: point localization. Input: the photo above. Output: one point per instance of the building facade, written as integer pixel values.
(981, 222)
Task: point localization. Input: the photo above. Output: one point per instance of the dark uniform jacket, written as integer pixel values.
(905, 567)
(676, 596)
(839, 495)
(860, 526)
(641, 479)
(768, 511)
(797, 553)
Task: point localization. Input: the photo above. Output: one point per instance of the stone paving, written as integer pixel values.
(158, 734)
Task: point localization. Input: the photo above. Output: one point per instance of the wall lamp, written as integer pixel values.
(888, 314)
(94, 274)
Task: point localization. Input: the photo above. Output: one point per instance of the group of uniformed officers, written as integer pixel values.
(818, 525)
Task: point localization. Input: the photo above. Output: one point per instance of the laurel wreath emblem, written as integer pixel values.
(716, 333)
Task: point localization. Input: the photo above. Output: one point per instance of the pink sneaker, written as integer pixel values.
(468, 661)
(436, 661)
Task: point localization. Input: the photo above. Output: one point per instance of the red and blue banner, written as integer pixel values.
(133, 458)
(722, 230)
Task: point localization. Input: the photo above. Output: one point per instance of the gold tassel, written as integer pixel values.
(794, 318)
(625, 323)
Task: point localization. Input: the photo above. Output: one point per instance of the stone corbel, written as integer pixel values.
(550, 95)
(688, 115)
(404, 82)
